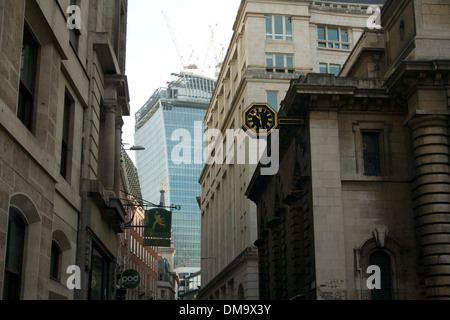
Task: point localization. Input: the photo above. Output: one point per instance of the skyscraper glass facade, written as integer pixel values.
(171, 112)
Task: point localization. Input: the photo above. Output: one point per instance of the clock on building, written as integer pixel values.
(260, 117)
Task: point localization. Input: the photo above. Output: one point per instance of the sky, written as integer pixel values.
(151, 52)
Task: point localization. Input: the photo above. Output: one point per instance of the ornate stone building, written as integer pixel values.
(273, 42)
(63, 93)
(366, 181)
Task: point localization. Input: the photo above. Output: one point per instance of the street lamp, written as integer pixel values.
(136, 148)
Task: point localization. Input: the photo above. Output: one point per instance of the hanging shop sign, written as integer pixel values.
(158, 223)
(130, 279)
(158, 227)
(155, 242)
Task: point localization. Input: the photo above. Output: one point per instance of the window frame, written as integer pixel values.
(327, 65)
(384, 128)
(18, 274)
(275, 97)
(339, 43)
(66, 138)
(367, 158)
(378, 294)
(56, 276)
(272, 35)
(26, 111)
(74, 34)
(279, 69)
(105, 279)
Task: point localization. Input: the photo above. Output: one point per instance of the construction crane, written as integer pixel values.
(212, 47)
(174, 39)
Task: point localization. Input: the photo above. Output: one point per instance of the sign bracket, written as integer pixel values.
(142, 203)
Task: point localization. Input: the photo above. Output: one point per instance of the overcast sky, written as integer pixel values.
(152, 54)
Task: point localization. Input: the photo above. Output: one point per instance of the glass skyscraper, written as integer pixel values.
(170, 127)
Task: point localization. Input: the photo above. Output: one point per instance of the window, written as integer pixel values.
(25, 110)
(14, 255)
(329, 68)
(334, 69)
(383, 261)
(280, 63)
(66, 136)
(99, 277)
(371, 152)
(55, 262)
(333, 38)
(278, 28)
(272, 99)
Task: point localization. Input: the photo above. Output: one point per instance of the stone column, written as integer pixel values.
(109, 138)
(117, 154)
(431, 200)
(328, 213)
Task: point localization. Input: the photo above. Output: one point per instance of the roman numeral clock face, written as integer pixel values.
(259, 117)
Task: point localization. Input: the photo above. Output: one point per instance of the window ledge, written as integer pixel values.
(335, 50)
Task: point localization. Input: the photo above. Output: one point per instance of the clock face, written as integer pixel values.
(259, 117)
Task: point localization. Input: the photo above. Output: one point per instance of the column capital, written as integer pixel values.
(119, 123)
(110, 108)
(421, 118)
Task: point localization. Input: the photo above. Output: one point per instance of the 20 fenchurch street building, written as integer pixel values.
(178, 108)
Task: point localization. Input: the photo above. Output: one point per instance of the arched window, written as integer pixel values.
(14, 255)
(55, 261)
(383, 261)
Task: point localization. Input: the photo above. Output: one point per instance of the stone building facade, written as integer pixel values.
(63, 93)
(366, 181)
(273, 42)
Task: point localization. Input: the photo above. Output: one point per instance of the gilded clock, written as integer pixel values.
(258, 117)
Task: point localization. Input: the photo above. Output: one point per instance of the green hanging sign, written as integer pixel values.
(157, 242)
(158, 223)
(130, 279)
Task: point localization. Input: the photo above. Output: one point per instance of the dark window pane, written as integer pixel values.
(14, 256)
(27, 75)
(269, 60)
(25, 107)
(27, 61)
(272, 100)
(54, 261)
(288, 26)
(371, 152)
(11, 286)
(289, 61)
(335, 69)
(383, 261)
(321, 33)
(279, 61)
(344, 35)
(98, 277)
(323, 68)
(332, 34)
(65, 138)
(268, 24)
(14, 246)
(278, 24)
